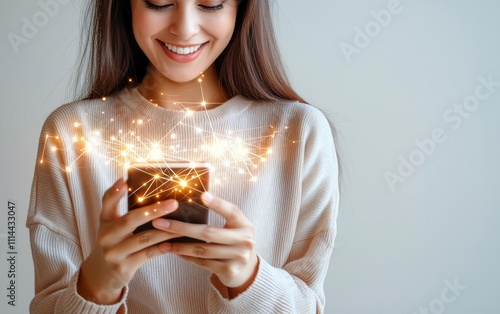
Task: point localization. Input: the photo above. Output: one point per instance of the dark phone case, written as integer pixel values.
(142, 182)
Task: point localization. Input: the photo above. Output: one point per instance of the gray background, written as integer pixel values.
(398, 249)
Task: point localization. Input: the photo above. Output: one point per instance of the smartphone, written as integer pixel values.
(150, 183)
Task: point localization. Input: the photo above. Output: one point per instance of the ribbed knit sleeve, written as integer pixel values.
(55, 245)
(297, 286)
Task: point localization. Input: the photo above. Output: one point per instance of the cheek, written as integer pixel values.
(144, 27)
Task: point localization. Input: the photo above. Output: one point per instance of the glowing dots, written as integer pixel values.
(190, 200)
(146, 214)
(156, 153)
(231, 151)
(68, 169)
(89, 147)
(140, 199)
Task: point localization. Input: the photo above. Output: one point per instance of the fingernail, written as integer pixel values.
(170, 206)
(207, 197)
(162, 223)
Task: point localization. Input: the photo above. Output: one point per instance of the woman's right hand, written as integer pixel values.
(118, 252)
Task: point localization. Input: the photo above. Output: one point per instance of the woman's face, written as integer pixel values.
(182, 38)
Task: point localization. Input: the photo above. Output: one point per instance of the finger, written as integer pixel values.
(215, 266)
(138, 242)
(111, 199)
(201, 232)
(137, 259)
(231, 213)
(206, 250)
(122, 227)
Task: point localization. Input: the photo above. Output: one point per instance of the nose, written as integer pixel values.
(185, 23)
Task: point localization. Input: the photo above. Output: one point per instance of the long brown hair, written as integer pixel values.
(250, 65)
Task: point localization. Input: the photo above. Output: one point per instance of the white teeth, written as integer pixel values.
(182, 51)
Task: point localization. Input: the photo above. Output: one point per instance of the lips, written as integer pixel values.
(183, 54)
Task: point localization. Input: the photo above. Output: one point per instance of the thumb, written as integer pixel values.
(111, 199)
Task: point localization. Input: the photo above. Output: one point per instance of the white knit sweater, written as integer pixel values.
(275, 161)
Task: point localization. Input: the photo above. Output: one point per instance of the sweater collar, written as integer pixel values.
(133, 99)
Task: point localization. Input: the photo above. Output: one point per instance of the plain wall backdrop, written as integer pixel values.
(413, 87)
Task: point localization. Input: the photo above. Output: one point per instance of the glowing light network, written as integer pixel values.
(229, 152)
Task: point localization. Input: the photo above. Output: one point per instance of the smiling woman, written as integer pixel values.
(176, 81)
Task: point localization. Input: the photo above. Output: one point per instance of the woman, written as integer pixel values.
(275, 195)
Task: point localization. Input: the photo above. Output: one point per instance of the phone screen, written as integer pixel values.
(151, 183)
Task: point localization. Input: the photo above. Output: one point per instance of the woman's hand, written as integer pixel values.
(229, 253)
(118, 252)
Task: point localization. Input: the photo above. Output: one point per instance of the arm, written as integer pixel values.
(242, 285)
(297, 286)
(63, 220)
(55, 243)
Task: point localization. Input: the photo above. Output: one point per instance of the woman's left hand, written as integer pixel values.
(229, 252)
